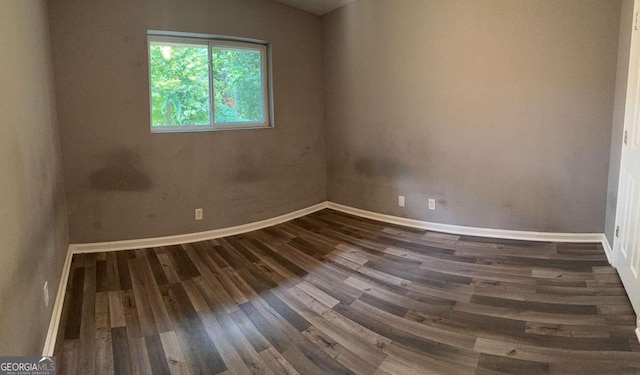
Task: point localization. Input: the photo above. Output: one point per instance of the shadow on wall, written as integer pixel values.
(381, 167)
(121, 173)
(391, 173)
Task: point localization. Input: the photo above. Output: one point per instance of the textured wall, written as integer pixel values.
(624, 49)
(33, 234)
(122, 181)
(499, 109)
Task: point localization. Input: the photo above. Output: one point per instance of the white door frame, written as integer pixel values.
(632, 101)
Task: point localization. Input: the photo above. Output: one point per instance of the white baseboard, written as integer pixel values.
(239, 229)
(471, 231)
(607, 250)
(52, 333)
(192, 237)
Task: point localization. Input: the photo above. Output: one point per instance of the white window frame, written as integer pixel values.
(212, 41)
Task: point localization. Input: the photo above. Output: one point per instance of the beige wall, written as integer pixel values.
(33, 234)
(499, 109)
(624, 49)
(123, 182)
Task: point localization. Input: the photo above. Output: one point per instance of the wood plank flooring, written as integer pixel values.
(331, 293)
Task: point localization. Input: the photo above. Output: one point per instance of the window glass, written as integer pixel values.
(237, 85)
(179, 84)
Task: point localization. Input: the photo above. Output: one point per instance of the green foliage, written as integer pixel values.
(180, 85)
(237, 85)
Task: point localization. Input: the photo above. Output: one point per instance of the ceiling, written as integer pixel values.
(318, 7)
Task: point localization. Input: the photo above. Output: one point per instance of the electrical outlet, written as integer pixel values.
(432, 204)
(46, 294)
(199, 213)
(401, 200)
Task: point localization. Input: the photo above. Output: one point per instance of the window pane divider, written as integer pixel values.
(212, 94)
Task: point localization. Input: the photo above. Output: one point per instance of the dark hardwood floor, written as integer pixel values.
(333, 293)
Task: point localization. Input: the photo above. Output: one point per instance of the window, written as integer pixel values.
(199, 83)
